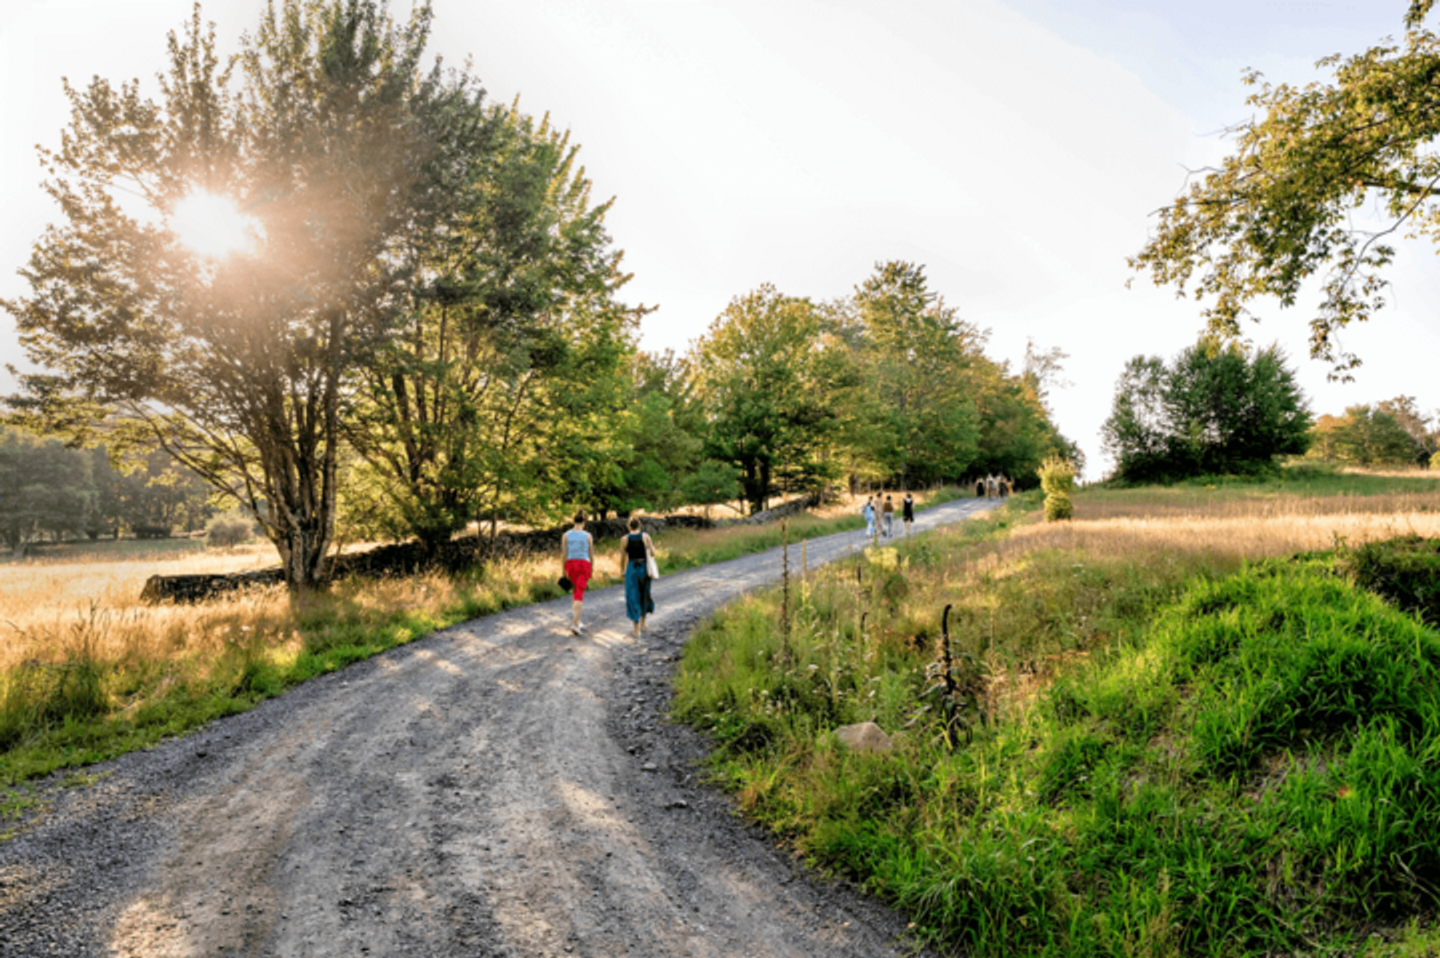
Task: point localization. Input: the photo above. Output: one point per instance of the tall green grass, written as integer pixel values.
(1180, 758)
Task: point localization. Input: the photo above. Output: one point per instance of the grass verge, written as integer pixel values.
(1153, 747)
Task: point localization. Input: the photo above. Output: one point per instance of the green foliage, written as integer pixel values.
(1406, 571)
(502, 383)
(919, 423)
(711, 484)
(887, 385)
(770, 377)
(1249, 769)
(1057, 480)
(1365, 436)
(328, 134)
(1213, 410)
(148, 490)
(230, 528)
(659, 441)
(1278, 210)
(45, 489)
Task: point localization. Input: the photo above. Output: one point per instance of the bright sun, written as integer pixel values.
(212, 226)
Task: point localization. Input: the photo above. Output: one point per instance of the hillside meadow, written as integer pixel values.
(1163, 733)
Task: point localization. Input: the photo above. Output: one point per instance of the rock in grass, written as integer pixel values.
(865, 737)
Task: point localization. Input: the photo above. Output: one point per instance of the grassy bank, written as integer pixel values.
(88, 672)
(1158, 743)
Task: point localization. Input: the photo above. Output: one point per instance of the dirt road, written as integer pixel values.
(497, 788)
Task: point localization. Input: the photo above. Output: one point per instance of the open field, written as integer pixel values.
(1098, 783)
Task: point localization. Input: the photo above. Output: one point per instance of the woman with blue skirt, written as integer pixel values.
(636, 548)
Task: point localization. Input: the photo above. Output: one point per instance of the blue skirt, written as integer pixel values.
(637, 592)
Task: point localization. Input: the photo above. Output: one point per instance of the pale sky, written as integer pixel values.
(1016, 148)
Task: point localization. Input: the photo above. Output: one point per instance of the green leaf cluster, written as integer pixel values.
(889, 385)
(1369, 435)
(1283, 208)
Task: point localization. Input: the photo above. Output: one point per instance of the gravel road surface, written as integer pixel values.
(500, 787)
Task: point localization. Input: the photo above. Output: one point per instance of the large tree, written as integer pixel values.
(1016, 431)
(509, 340)
(238, 365)
(922, 423)
(1214, 409)
(771, 380)
(1287, 204)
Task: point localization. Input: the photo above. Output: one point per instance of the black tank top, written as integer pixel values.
(635, 546)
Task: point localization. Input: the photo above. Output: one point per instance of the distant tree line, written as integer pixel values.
(428, 329)
(51, 493)
(887, 386)
(1392, 432)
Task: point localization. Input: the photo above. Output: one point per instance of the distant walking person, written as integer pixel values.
(887, 514)
(869, 513)
(633, 553)
(907, 512)
(578, 548)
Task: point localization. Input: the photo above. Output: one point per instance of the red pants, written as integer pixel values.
(578, 572)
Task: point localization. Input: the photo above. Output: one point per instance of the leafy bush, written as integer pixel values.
(1057, 479)
(228, 529)
(1405, 570)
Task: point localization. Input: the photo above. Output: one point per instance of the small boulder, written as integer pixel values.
(865, 737)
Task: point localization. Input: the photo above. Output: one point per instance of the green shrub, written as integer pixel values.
(228, 529)
(1057, 478)
(1405, 570)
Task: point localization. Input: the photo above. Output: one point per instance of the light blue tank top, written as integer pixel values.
(577, 545)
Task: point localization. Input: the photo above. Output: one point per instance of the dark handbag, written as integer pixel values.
(566, 585)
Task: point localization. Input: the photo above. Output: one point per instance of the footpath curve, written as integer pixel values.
(498, 788)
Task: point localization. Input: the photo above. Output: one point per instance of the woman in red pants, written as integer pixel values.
(578, 548)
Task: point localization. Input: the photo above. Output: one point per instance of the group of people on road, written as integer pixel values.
(884, 512)
(993, 487)
(637, 565)
(637, 558)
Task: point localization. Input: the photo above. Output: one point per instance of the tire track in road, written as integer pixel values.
(497, 788)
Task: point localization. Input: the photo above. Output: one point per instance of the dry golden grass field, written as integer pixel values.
(1237, 528)
(89, 596)
(61, 610)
